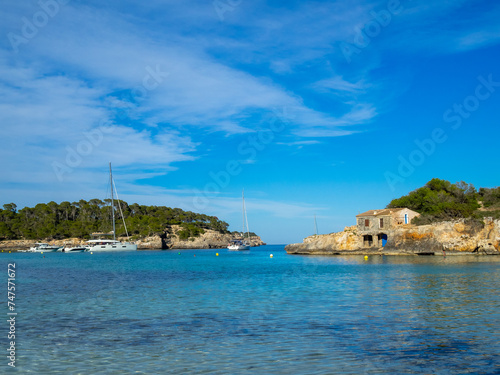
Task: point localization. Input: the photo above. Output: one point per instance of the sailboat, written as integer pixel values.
(240, 244)
(101, 244)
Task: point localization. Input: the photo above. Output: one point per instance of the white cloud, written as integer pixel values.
(440, 27)
(299, 143)
(479, 38)
(199, 90)
(339, 84)
(57, 121)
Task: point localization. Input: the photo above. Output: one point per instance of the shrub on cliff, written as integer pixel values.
(440, 200)
(490, 197)
(189, 230)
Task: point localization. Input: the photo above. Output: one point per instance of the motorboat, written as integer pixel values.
(75, 249)
(44, 247)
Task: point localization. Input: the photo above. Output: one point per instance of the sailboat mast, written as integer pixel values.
(245, 217)
(243, 213)
(112, 201)
(315, 225)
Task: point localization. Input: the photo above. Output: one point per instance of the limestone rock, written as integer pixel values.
(209, 240)
(460, 236)
(347, 240)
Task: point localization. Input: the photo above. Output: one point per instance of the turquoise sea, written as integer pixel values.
(192, 312)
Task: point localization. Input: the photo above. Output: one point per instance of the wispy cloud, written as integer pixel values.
(340, 85)
(199, 90)
(440, 28)
(299, 143)
(479, 38)
(67, 82)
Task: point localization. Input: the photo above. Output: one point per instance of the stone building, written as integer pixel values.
(374, 225)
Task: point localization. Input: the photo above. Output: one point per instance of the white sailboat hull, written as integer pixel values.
(238, 247)
(110, 246)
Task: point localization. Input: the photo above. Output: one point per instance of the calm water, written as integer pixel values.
(246, 313)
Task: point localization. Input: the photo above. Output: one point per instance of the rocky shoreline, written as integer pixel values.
(169, 239)
(460, 237)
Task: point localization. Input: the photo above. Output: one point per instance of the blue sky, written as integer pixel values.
(314, 108)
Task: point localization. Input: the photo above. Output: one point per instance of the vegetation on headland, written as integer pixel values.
(440, 200)
(80, 219)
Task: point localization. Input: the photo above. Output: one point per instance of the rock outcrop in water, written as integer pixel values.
(457, 237)
(209, 240)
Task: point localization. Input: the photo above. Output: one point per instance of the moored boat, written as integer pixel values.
(241, 244)
(101, 244)
(238, 245)
(75, 249)
(109, 245)
(45, 247)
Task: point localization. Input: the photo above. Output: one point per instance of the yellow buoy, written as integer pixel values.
(91, 252)
(217, 254)
(366, 256)
(42, 252)
(271, 255)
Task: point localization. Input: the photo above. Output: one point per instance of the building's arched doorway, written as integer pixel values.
(382, 239)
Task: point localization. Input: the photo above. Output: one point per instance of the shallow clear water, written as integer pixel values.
(158, 312)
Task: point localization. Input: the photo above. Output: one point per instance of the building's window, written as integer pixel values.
(360, 222)
(381, 223)
(367, 222)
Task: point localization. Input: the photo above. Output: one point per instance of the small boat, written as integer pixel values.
(240, 244)
(40, 246)
(75, 249)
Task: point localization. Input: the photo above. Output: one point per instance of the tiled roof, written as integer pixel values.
(383, 212)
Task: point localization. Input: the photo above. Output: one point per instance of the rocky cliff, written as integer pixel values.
(209, 240)
(168, 240)
(457, 237)
(347, 240)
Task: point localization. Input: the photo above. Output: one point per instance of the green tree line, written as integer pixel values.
(440, 200)
(80, 219)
